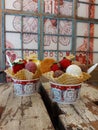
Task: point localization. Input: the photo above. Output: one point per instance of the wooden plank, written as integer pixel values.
(82, 115)
(5, 90)
(24, 113)
(38, 113)
(89, 91)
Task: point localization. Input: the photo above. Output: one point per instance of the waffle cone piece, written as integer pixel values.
(67, 79)
(86, 76)
(49, 75)
(9, 72)
(45, 65)
(71, 79)
(24, 75)
(70, 57)
(37, 74)
(29, 75)
(20, 75)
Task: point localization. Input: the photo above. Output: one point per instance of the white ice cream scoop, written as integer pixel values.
(74, 70)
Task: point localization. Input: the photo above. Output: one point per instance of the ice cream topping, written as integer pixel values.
(74, 70)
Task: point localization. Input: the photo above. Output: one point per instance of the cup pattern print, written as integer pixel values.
(25, 90)
(70, 95)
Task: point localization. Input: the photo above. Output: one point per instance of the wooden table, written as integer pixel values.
(22, 113)
(82, 115)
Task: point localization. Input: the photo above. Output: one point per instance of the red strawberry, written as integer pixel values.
(18, 66)
(55, 67)
(64, 63)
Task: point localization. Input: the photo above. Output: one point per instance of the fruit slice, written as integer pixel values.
(64, 63)
(18, 66)
(55, 67)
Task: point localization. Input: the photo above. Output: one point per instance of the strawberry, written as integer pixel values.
(64, 63)
(55, 67)
(18, 66)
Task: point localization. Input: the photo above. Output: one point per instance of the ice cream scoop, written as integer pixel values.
(57, 73)
(31, 66)
(74, 70)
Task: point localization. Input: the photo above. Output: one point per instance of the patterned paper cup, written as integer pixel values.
(25, 87)
(65, 94)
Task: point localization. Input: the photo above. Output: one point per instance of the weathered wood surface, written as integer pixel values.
(82, 115)
(22, 113)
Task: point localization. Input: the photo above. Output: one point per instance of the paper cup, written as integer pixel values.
(25, 87)
(65, 94)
